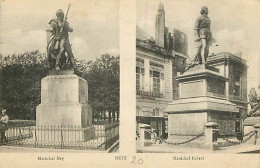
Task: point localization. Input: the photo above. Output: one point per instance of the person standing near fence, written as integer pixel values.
(160, 137)
(155, 136)
(3, 127)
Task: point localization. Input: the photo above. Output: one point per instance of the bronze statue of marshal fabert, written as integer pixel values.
(203, 37)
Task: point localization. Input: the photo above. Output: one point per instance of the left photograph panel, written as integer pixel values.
(59, 76)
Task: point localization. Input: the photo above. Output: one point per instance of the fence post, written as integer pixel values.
(61, 138)
(257, 129)
(211, 134)
(35, 134)
(143, 139)
(20, 132)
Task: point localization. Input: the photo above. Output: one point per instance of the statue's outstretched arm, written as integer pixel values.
(196, 28)
(68, 27)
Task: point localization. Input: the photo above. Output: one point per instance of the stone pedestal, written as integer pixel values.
(145, 137)
(257, 136)
(249, 124)
(64, 104)
(202, 100)
(211, 132)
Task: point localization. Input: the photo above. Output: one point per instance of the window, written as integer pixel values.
(139, 78)
(157, 111)
(237, 85)
(156, 81)
(138, 111)
(153, 114)
(166, 126)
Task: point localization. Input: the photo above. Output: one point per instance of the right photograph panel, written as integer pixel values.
(197, 89)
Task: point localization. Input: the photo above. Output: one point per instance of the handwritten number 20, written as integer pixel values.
(137, 161)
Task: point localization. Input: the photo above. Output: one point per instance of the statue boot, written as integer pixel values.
(57, 67)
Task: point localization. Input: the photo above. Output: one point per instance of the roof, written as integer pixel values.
(146, 42)
(142, 35)
(226, 55)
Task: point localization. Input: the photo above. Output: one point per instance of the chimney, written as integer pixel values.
(160, 26)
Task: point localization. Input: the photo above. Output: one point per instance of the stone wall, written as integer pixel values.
(226, 122)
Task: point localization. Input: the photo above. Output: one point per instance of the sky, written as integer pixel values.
(234, 23)
(23, 25)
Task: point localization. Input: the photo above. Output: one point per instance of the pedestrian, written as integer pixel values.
(160, 138)
(3, 127)
(155, 136)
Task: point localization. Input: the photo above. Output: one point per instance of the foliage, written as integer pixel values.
(103, 81)
(20, 82)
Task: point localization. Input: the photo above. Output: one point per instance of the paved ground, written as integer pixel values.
(114, 148)
(166, 148)
(11, 149)
(240, 149)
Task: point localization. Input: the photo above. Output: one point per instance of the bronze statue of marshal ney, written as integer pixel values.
(203, 35)
(58, 43)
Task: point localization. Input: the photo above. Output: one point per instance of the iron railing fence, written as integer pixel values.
(96, 137)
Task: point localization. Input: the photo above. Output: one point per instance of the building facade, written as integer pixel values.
(158, 62)
(234, 67)
(153, 84)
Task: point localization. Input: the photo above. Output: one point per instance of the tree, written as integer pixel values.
(103, 81)
(20, 83)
